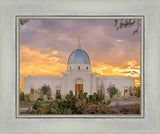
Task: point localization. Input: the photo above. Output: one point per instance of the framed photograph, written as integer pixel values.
(79, 67)
(59, 78)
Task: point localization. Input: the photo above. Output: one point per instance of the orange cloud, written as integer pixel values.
(35, 62)
(32, 62)
(132, 70)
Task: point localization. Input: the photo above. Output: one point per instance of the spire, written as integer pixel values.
(79, 44)
(78, 40)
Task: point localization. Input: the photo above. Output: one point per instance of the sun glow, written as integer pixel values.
(34, 62)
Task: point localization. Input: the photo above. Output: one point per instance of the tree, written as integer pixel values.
(23, 21)
(127, 23)
(131, 91)
(46, 90)
(27, 97)
(22, 96)
(137, 91)
(112, 90)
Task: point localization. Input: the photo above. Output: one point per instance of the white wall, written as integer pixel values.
(37, 82)
(91, 82)
(121, 82)
(75, 66)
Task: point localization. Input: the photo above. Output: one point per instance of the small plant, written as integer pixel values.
(27, 97)
(37, 104)
(46, 90)
(108, 102)
(112, 90)
(131, 91)
(137, 91)
(29, 111)
(22, 96)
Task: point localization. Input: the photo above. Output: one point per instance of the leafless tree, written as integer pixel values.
(127, 23)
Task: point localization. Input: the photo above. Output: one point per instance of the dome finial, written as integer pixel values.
(78, 40)
(79, 44)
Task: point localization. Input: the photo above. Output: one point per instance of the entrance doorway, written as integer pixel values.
(78, 86)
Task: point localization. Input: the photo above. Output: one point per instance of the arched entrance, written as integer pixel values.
(78, 86)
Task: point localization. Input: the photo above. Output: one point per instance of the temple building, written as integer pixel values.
(78, 76)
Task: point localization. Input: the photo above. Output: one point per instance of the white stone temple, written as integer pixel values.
(78, 77)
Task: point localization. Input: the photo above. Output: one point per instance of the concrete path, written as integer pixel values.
(23, 110)
(118, 105)
(124, 103)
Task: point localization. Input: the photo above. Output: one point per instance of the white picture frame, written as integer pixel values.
(9, 123)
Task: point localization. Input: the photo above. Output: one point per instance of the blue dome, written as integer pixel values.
(79, 56)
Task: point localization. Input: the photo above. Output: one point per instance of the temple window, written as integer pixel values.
(87, 68)
(78, 67)
(99, 92)
(32, 91)
(58, 94)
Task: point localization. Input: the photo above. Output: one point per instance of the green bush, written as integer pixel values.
(27, 97)
(29, 111)
(37, 104)
(112, 90)
(22, 96)
(108, 102)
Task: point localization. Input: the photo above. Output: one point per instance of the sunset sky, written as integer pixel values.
(45, 46)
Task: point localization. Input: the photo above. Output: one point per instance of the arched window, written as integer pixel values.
(87, 68)
(78, 67)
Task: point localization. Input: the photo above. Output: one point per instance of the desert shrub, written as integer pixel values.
(135, 109)
(29, 111)
(95, 98)
(102, 109)
(80, 105)
(93, 104)
(40, 99)
(124, 110)
(137, 91)
(131, 91)
(67, 111)
(98, 109)
(46, 90)
(108, 102)
(22, 96)
(89, 109)
(37, 104)
(113, 111)
(50, 98)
